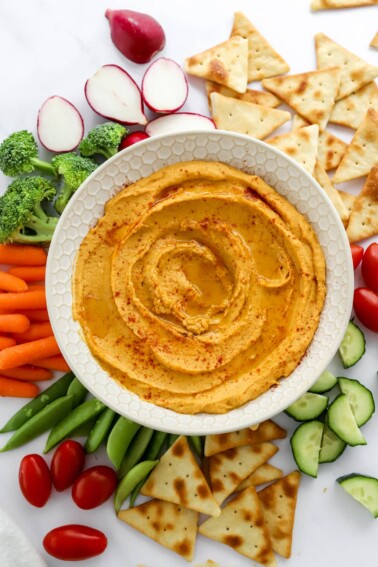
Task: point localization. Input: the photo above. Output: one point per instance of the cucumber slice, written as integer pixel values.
(332, 447)
(342, 422)
(305, 444)
(362, 488)
(360, 398)
(307, 407)
(352, 347)
(324, 383)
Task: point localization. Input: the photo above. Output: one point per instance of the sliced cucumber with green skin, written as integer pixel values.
(362, 488)
(324, 383)
(352, 347)
(360, 399)
(307, 407)
(342, 422)
(332, 447)
(305, 444)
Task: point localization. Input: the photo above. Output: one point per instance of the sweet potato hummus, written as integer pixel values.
(199, 288)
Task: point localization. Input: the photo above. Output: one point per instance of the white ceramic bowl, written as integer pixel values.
(144, 158)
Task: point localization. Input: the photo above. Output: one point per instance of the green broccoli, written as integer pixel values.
(22, 217)
(19, 154)
(103, 139)
(75, 169)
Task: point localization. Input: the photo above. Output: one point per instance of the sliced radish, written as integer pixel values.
(60, 125)
(113, 94)
(132, 139)
(179, 122)
(164, 86)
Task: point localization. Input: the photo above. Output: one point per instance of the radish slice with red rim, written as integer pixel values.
(179, 122)
(60, 125)
(164, 86)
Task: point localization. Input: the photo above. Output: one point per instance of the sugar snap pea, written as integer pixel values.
(172, 437)
(100, 430)
(119, 440)
(135, 450)
(84, 429)
(78, 391)
(129, 481)
(197, 443)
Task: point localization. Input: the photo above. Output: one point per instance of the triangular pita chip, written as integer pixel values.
(278, 501)
(171, 525)
(300, 144)
(268, 431)
(324, 181)
(226, 63)
(262, 475)
(363, 220)
(245, 117)
(263, 60)
(250, 95)
(241, 526)
(374, 41)
(350, 111)
(229, 468)
(362, 152)
(355, 72)
(311, 94)
(331, 4)
(348, 199)
(177, 478)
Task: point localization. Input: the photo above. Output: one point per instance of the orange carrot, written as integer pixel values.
(8, 282)
(24, 300)
(36, 286)
(6, 342)
(26, 353)
(17, 388)
(28, 373)
(29, 273)
(14, 323)
(36, 315)
(54, 363)
(19, 255)
(34, 332)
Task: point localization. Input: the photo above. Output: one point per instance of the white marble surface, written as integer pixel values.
(51, 47)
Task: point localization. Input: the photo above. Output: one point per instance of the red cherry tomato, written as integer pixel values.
(94, 486)
(365, 304)
(35, 480)
(74, 542)
(67, 463)
(357, 253)
(132, 139)
(369, 267)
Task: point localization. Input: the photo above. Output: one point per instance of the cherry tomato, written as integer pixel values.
(35, 480)
(94, 486)
(365, 304)
(66, 464)
(132, 139)
(357, 253)
(369, 267)
(74, 542)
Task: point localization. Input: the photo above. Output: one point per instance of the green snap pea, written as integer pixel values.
(99, 431)
(135, 451)
(119, 440)
(53, 392)
(78, 391)
(130, 481)
(44, 420)
(197, 443)
(77, 417)
(84, 429)
(172, 437)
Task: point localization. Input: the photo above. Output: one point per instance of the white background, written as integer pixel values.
(52, 47)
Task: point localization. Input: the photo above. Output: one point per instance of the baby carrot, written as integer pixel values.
(35, 286)
(34, 332)
(29, 273)
(9, 282)
(6, 342)
(24, 300)
(53, 362)
(28, 373)
(36, 315)
(26, 353)
(17, 388)
(19, 255)
(14, 323)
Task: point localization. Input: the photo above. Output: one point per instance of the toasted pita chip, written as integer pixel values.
(229, 468)
(355, 72)
(332, 4)
(363, 220)
(362, 152)
(267, 431)
(348, 199)
(324, 181)
(171, 525)
(263, 60)
(350, 111)
(226, 63)
(374, 41)
(177, 478)
(311, 94)
(300, 144)
(241, 526)
(245, 117)
(278, 501)
(262, 475)
(250, 95)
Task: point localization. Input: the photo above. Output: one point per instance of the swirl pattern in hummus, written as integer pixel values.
(199, 288)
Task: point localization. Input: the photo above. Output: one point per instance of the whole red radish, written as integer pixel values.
(35, 480)
(66, 464)
(137, 36)
(74, 542)
(369, 266)
(132, 139)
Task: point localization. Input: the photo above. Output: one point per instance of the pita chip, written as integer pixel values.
(350, 111)
(374, 41)
(262, 475)
(331, 4)
(263, 60)
(363, 220)
(245, 117)
(226, 63)
(300, 144)
(229, 468)
(171, 525)
(355, 72)
(278, 502)
(348, 199)
(324, 181)
(177, 478)
(310, 94)
(250, 95)
(362, 152)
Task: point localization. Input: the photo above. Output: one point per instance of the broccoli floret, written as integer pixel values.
(103, 139)
(19, 154)
(75, 169)
(22, 217)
